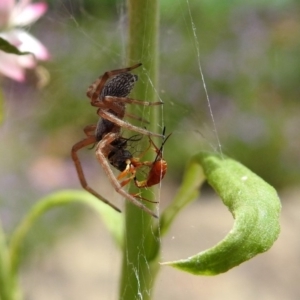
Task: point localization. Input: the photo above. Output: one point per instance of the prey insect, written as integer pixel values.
(109, 93)
(129, 165)
(156, 169)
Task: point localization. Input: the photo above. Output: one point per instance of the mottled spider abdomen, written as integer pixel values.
(119, 86)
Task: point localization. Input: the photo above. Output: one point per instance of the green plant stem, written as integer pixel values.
(141, 245)
(6, 291)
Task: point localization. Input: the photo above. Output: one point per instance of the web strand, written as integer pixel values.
(197, 47)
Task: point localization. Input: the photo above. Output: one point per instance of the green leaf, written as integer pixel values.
(9, 48)
(255, 206)
(111, 218)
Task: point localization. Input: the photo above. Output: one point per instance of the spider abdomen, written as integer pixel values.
(119, 86)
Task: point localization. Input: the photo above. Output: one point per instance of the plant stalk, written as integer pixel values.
(141, 243)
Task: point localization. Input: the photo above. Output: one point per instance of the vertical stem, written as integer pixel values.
(141, 246)
(143, 47)
(7, 289)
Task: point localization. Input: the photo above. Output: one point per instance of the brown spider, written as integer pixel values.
(109, 93)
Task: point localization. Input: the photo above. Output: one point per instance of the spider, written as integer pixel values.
(109, 94)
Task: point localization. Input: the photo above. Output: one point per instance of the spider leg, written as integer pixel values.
(89, 130)
(100, 154)
(136, 118)
(144, 199)
(113, 99)
(129, 170)
(121, 123)
(86, 142)
(114, 103)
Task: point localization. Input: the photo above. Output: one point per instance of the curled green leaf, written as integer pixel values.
(255, 207)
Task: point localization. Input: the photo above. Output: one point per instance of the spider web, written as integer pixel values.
(92, 56)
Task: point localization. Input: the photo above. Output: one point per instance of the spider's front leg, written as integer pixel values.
(102, 151)
(121, 123)
(117, 104)
(111, 99)
(84, 143)
(89, 130)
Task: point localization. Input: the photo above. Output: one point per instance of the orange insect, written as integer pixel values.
(158, 167)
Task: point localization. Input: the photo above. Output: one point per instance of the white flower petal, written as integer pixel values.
(11, 37)
(31, 44)
(17, 9)
(22, 16)
(10, 67)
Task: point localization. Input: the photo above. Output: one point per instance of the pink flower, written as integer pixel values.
(12, 17)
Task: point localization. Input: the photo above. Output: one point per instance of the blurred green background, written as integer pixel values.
(250, 58)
